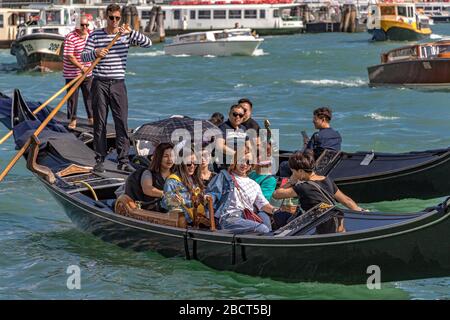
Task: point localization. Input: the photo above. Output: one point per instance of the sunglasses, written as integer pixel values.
(191, 164)
(84, 25)
(112, 18)
(240, 115)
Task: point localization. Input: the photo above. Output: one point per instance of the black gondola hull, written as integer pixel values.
(411, 251)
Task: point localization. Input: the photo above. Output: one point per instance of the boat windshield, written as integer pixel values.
(52, 17)
(443, 48)
(402, 54)
(243, 33)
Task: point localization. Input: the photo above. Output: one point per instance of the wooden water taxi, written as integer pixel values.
(419, 65)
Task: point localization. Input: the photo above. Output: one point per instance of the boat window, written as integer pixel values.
(235, 14)
(221, 35)
(276, 13)
(262, 14)
(388, 11)
(401, 11)
(145, 14)
(442, 49)
(428, 8)
(192, 14)
(204, 14)
(250, 14)
(239, 33)
(1, 21)
(220, 14)
(401, 54)
(46, 30)
(176, 14)
(52, 17)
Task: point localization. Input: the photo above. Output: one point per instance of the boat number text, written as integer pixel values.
(53, 47)
(28, 47)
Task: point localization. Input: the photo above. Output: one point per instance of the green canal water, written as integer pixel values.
(287, 80)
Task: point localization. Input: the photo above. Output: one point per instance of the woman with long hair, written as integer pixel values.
(183, 183)
(146, 184)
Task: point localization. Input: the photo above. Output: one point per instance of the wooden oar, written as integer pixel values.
(42, 106)
(54, 111)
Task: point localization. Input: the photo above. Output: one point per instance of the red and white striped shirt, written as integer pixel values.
(73, 46)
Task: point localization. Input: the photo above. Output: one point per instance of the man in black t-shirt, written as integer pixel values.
(248, 121)
(233, 134)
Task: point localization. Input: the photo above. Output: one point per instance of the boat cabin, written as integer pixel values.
(53, 19)
(440, 49)
(10, 20)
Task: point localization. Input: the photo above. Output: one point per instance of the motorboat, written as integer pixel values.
(228, 42)
(397, 21)
(418, 65)
(39, 45)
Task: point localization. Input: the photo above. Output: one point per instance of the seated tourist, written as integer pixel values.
(216, 118)
(184, 183)
(325, 139)
(233, 137)
(262, 174)
(205, 172)
(146, 184)
(232, 192)
(311, 189)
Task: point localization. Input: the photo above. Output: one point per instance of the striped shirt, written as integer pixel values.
(73, 46)
(113, 66)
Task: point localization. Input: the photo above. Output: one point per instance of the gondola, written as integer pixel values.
(364, 176)
(403, 246)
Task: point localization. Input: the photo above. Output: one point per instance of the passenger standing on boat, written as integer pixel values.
(184, 182)
(108, 86)
(146, 185)
(232, 192)
(311, 189)
(73, 66)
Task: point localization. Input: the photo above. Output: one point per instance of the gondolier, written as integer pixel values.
(74, 44)
(108, 86)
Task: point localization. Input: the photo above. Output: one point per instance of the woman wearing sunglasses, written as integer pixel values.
(184, 183)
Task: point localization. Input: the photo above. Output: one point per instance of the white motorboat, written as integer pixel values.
(228, 42)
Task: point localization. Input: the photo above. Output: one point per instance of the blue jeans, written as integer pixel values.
(239, 225)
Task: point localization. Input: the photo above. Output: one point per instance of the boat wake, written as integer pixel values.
(334, 83)
(148, 54)
(259, 53)
(242, 85)
(436, 36)
(377, 116)
(8, 67)
(41, 69)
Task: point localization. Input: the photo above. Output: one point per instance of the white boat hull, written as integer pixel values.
(39, 51)
(214, 48)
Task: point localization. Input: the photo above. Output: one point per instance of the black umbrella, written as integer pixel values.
(162, 130)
